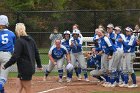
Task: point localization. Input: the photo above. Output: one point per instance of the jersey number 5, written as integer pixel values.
(4, 38)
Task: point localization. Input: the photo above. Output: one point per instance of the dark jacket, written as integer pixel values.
(25, 54)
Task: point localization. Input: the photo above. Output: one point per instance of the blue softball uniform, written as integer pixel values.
(7, 40)
(107, 46)
(66, 44)
(94, 61)
(58, 53)
(129, 44)
(77, 45)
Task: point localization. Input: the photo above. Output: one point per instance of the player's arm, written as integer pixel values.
(79, 45)
(110, 47)
(68, 57)
(130, 43)
(50, 56)
(51, 59)
(16, 54)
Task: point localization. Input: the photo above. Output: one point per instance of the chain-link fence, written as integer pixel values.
(40, 24)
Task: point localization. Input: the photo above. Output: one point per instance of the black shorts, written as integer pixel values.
(24, 77)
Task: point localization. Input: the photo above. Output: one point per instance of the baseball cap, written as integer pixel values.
(76, 31)
(4, 20)
(117, 28)
(67, 32)
(110, 26)
(128, 29)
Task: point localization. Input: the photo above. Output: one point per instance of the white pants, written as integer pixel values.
(128, 59)
(59, 64)
(115, 62)
(4, 57)
(80, 58)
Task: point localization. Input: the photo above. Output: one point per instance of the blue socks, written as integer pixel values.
(60, 73)
(2, 82)
(133, 76)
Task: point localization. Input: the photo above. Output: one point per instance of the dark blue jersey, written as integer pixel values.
(94, 61)
(7, 40)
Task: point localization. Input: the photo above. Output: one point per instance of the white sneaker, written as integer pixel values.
(60, 80)
(68, 80)
(133, 86)
(79, 77)
(105, 83)
(108, 85)
(123, 85)
(87, 79)
(113, 85)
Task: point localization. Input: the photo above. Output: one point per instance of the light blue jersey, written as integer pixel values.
(7, 40)
(58, 53)
(129, 44)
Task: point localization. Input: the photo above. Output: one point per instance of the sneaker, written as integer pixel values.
(60, 80)
(68, 80)
(105, 83)
(108, 85)
(79, 77)
(123, 85)
(87, 79)
(113, 85)
(133, 86)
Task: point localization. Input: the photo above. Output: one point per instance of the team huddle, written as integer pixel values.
(112, 56)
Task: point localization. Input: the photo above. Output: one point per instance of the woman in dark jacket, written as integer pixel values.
(25, 54)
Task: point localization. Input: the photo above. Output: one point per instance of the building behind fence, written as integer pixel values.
(40, 24)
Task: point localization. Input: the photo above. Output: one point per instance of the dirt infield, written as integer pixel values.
(52, 86)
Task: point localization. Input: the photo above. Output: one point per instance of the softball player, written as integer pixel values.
(65, 42)
(118, 64)
(76, 52)
(111, 33)
(129, 56)
(7, 41)
(109, 57)
(78, 68)
(95, 60)
(56, 57)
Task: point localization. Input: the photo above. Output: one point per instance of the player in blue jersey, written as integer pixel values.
(65, 42)
(94, 60)
(78, 68)
(7, 41)
(128, 58)
(56, 57)
(111, 33)
(117, 66)
(109, 57)
(76, 52)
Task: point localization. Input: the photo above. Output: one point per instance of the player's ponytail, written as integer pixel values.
(20, 29)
